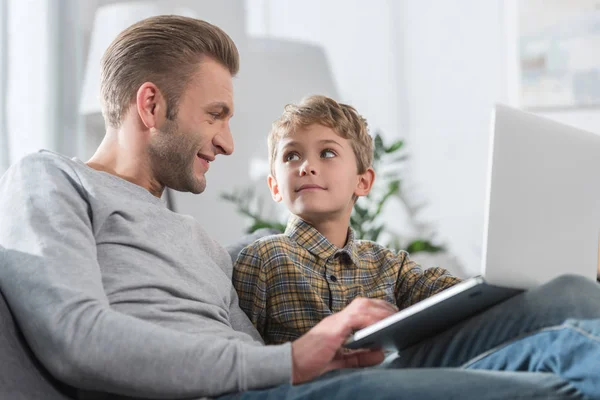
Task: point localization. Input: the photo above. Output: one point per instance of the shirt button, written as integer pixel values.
(333, 278)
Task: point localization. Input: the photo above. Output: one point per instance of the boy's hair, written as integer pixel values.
(322, 110)
(165, 50)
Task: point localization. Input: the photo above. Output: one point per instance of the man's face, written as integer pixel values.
(315, 174)
(181, 150)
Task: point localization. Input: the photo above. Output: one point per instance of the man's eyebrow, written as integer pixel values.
(220, 104)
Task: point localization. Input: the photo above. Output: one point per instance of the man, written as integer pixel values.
(116, 294)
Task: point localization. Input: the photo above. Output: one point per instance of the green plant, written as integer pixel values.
(366, 218)
(250, 205)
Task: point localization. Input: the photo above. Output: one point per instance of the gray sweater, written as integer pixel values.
(114, 292)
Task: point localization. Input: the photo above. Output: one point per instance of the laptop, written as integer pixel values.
(542, 220)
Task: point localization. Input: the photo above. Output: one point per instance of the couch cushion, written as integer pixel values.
(21, 375)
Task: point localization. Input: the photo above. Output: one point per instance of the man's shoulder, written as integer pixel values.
(45, 160)
(43, 168)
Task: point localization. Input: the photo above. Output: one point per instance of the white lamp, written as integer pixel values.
(109, 21)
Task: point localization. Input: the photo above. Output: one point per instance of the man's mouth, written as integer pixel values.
(204, 159)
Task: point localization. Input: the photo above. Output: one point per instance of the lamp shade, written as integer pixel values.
(109, 21)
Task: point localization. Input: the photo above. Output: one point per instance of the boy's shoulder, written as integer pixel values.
(266, 249)
(376, 251)
(273, 242)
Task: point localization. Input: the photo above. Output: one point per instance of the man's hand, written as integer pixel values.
(320, 349)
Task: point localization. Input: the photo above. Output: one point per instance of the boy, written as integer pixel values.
(320, 155)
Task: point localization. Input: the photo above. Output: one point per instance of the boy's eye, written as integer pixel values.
(292, 156)
(328, 153)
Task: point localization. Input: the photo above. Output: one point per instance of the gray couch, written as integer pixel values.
(22, 377)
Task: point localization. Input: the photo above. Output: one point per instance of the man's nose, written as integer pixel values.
(223, 141)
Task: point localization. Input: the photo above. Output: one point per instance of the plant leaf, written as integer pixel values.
(394, 147)
(420, 245)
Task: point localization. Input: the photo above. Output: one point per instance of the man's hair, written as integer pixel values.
(341, 118)
(165, 50)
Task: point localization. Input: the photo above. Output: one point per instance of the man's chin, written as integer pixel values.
(196, 186)
(196, 191)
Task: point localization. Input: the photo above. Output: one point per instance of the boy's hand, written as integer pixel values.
(320, 349)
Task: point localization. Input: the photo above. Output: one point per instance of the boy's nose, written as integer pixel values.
(307, 169)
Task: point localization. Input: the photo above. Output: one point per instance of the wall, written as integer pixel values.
(358, 40)
(459, 60)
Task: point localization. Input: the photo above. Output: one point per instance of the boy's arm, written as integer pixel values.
(415, 284)
(51, 279)
(250, 283)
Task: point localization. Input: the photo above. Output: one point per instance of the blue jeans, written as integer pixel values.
(542, 344)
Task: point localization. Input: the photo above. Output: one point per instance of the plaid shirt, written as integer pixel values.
(287, 283)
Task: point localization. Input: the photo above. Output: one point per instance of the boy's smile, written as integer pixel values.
(310, 187)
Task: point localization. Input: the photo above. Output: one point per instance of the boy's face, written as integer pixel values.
(316, 174)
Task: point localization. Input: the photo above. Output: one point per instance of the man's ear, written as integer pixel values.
(365, 182)
(274, 187)
(151, 105)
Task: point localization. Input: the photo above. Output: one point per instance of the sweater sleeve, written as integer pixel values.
(51, 279)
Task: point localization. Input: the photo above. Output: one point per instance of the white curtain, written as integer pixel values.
(4, 151)
(40, 76)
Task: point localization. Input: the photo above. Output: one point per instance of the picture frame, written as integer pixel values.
(559, 67)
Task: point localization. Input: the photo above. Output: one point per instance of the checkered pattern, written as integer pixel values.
(287, 283)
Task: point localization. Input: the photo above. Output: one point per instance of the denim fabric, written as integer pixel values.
(542, 344)
(569, 350)
(422, 384)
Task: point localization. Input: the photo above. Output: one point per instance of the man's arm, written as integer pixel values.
(414, 284)
(319, 350)
(250, 284)
(51, 279)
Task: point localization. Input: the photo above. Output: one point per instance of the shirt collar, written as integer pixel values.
(312, 240)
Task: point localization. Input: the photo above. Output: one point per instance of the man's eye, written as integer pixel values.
(215, 115)
(293, 156)
(327, 153)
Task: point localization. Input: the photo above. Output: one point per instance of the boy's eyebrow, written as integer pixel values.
(289, 143)
(293, 143)
(329, 141)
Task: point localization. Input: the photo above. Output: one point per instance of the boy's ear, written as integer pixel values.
(365, 182)
(151, 106)
(274, 187)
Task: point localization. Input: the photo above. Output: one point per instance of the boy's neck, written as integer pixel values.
(336, 231)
